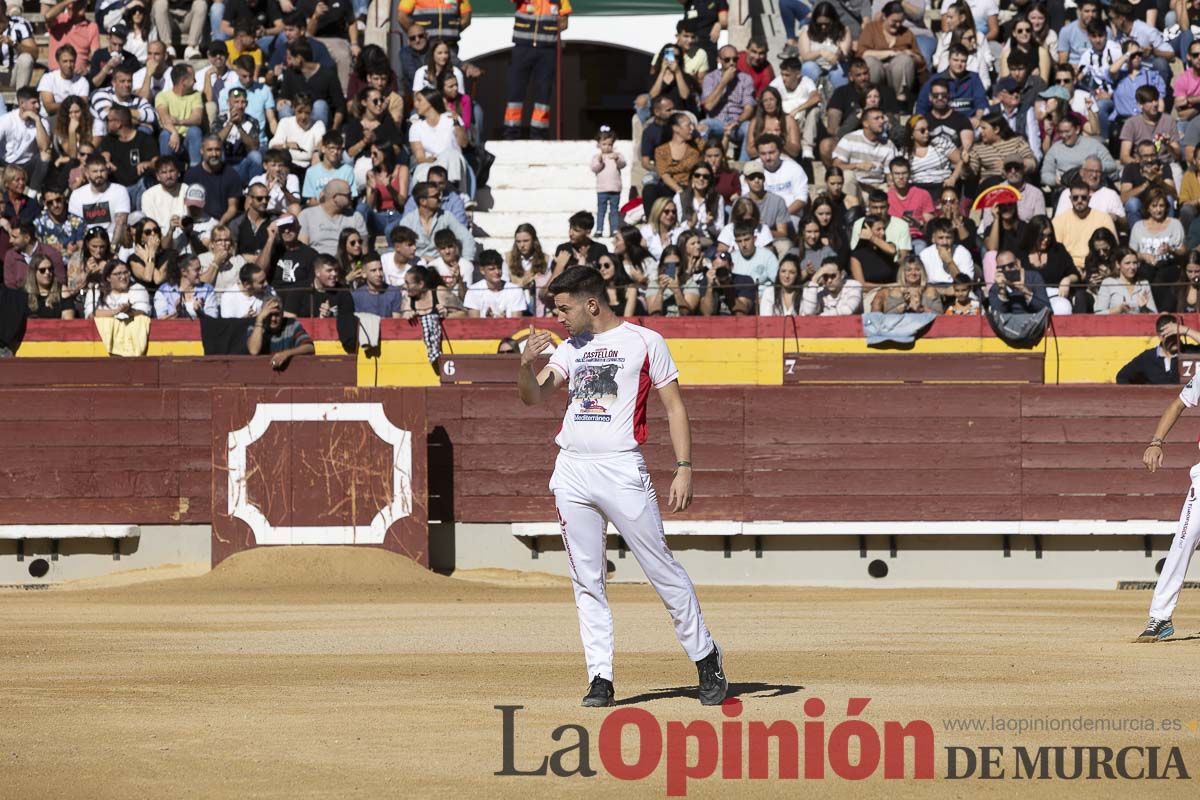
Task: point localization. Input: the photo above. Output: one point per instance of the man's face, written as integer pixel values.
(326, 276)
(66, 66)
(431, 200)
(339, 193)
(573, 312)
(293, 61)
(245, 41)
(19, 239)
(1097, 40)
(962, 293)
(378, 81)
(728, 57)
(877, 209)
(167, 174)
(417, 38)
(157, 50)
(374, 275)
(289, 233)
(122, 84)
(686, 40)
(745, 243)
(769, 153)
(958, 64)
(245, 76)
(1009, 100)
(1087, 13)
(438, 182)
(756, 182)
(332, 153)
(860, 77)
(873, 121)
(900, 177)
(1149, 108)
(1147, 157)
(756, 56)
(213, 157)
(577, 236)
(188, 83)
(56, 204)
(791, 78)
(1018, 72)
(939, 98)
(942, 239)
(1079, 201)
(1068, 133)
(258, 282)
(238, 102)
(406, 251)
(290, 33)
(663, 109)
(97, 175)
(219, 62)
(450, 254)
(494, 275)
(1090, 172)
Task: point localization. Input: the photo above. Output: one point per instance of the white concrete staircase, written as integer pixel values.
(542, 183)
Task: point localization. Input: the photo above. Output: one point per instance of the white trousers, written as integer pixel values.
(1187, 536)
(591, 491)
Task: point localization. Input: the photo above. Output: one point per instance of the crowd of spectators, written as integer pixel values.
(297, 164)
(252, 160)
(843, 180)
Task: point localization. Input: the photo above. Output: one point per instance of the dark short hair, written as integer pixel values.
(167, 160)
(491, 258)
(27, 93)
(1146, 94)
(218, 49)
(277, 155)
(744, 228)
(446, 238)
(95, 160)
(899, 161)
(248, 271)
(302, 48)
(402, 235)
(179, 72)
(371, 256)
(579, 281)
(582, 221)
(770, 138)
(876, 196)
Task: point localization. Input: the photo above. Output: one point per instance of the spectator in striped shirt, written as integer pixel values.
(18, 49)
(121, 94)
(862, 154)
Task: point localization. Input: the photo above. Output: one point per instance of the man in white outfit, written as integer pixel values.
(1187, 535)
(600, 475)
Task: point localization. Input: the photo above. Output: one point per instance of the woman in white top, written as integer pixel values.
(437, 63)
(1125, 294)
(824, 44)
(300, 134)
(642, 268)
(782, 299)
(435, 137)
(662, 229)
(700, 205)
(116, 295)
(141, 30)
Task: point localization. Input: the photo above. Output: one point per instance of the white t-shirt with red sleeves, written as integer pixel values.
(609, 376)
(1190, 394)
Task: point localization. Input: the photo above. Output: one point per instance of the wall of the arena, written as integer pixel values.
(746, 351)
(95, 450)
(1008, 481)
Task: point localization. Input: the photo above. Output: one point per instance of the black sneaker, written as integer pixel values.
(713, 686)
(1156, 630)
(600, 695)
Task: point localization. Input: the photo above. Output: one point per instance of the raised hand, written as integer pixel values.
(535, 345)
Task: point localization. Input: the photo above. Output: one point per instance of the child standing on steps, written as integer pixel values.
(607, 164)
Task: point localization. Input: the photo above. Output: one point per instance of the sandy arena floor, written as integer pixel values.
(305, 673)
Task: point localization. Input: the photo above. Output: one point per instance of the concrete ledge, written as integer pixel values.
(1067, 527)
(69, 531)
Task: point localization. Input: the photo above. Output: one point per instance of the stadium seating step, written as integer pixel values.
(541, 183)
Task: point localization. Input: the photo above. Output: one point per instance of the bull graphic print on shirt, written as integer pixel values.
(594, 390)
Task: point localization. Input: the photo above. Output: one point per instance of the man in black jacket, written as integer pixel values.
(1160, 365)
